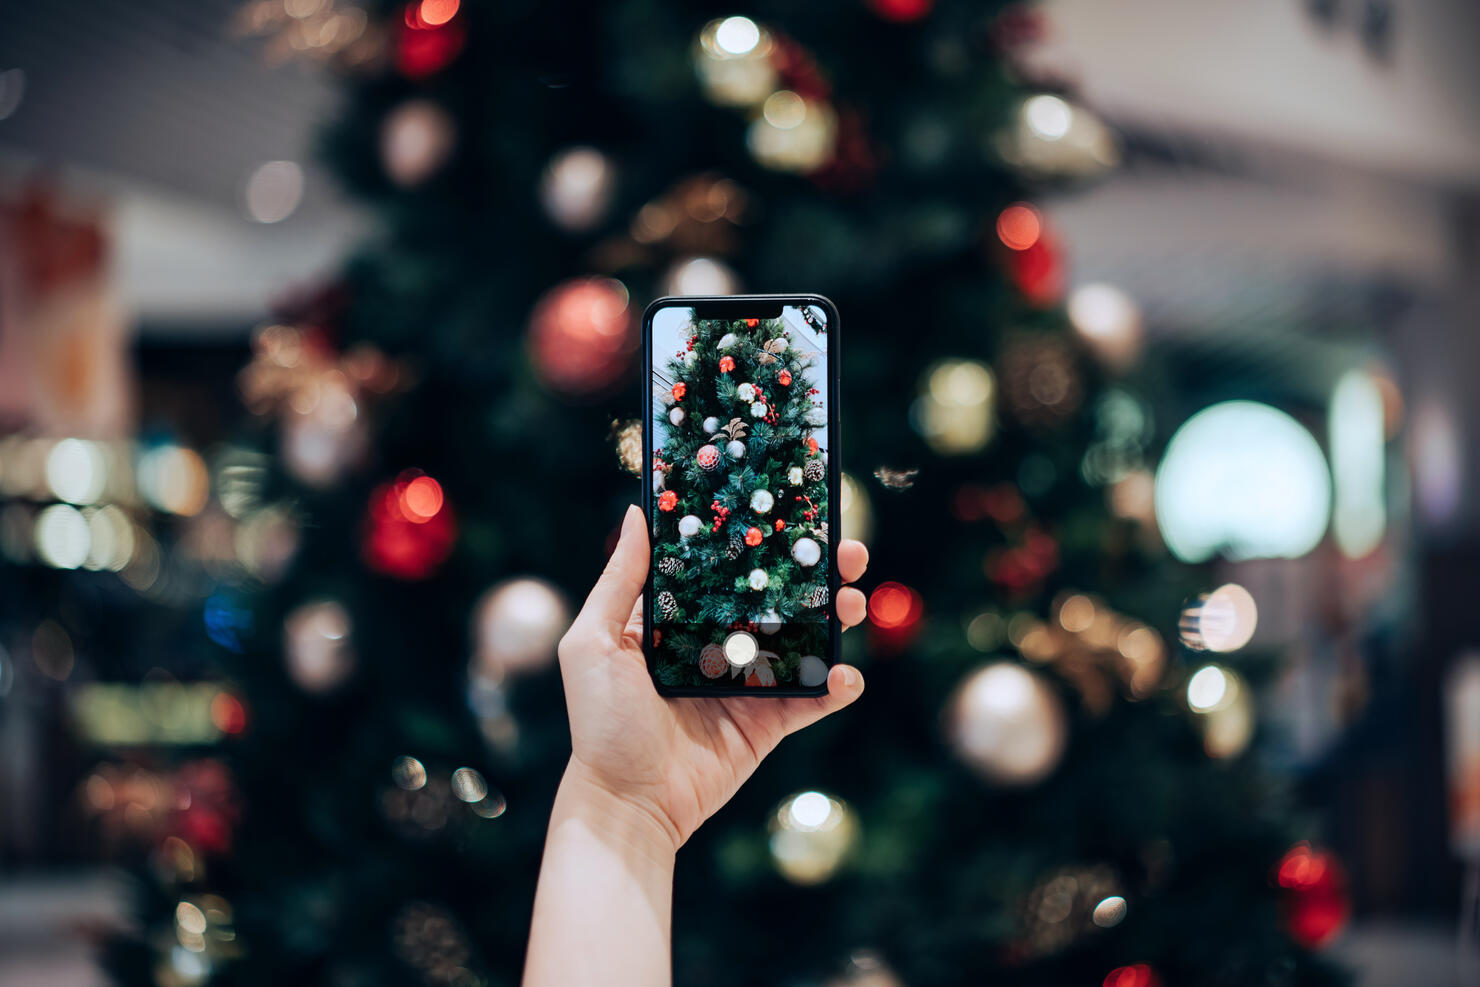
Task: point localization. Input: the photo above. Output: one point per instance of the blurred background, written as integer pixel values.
(317, 330)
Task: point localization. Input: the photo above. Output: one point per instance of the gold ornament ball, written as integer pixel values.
(812, 836)
(516, 626)
(1008, 725)
(317, 645)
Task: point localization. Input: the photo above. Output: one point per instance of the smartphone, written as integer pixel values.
(740, 430)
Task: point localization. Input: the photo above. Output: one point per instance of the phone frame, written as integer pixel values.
(743, 307)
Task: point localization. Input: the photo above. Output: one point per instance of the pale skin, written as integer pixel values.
(644, 773)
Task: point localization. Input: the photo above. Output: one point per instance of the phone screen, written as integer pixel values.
(740, 430)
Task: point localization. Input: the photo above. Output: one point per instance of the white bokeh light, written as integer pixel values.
(1048, 116)
(737, 35)
(1243, 480)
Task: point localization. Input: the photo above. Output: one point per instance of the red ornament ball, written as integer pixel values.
(712, 662)
(784, 378)
(667, 500)
(580, 336)
(707, 457)
(726, 364)
(1134, 975)
(780, 525)
(410, 529)
(1315, 901)
(679, 390)
(752, 323)
(423, 48)
(753, 537)
(901, 11)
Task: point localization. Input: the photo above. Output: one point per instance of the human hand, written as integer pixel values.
(673, 763)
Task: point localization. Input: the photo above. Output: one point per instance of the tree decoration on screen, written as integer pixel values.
(758, 559)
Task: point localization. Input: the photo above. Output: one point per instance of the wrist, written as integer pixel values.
(629, 822)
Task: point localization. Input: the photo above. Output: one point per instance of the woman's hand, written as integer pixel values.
(672, 763)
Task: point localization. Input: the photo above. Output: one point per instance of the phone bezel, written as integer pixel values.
(719, 306)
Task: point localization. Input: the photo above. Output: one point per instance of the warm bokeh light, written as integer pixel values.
(421, 499)
(63, 538)
(700, 276)
(955, 410)
(811, 836)
(581, 336)
(228, 713)
(174, 479)
(1019, 226)
(317, 645)
(408, 773)
(855, 510)
(1223, 620)
(1108, 320)
(435, 12)
(1048, 116)
(1007, 724)
(736, 35)
(894, 605)
(1109, 912)
(784, 109)
(577, 188)
(1210, 688)
(793, 134)
(516, 625)
(468, 785)
(1077, 614)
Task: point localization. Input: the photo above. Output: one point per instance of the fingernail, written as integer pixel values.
(850, 677)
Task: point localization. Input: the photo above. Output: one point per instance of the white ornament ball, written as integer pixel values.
(690, 358)
(794, 476)
(316, 643)
(1008, 724)
(817, 417)
(516, 626)
(758, 410)
(807, 552)
(812, 671)
(676, 416)
(689, 525)
(777, 345)
(711, 425)
(736, 449)
(659, 481)
(761, 502)
(758, 579)
(770, 622)
(727, 340)
(745, 392)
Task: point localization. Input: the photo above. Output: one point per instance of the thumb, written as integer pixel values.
(844, 684)
(616, 592)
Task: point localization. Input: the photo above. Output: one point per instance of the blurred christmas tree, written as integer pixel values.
(1033, 790)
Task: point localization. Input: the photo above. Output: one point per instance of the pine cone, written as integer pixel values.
(736, 546)
(671, 567)
(816, 597)
(813, 470)
(667, 605)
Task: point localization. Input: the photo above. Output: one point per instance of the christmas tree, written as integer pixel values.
(739, 456)
(1044, 784)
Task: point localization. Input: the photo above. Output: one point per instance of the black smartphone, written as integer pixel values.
(740, 430)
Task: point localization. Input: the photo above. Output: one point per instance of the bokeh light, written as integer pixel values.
(174, 479)
(736, 36)
(1223, 620)
(468, 785)
(1007, 724)
(274, 191)
(1108, 320)
(63, 538)
(954, 412)
(317, 645)
(1243, 480)
(580, 336)
(1048, 116)
(732, 59)
(856, 512)
(1210, 688)
(1019, 226)
(408, 773)
(812, 835)
(577, 188)
(76, 472)
(516, 625)
(1358, 451)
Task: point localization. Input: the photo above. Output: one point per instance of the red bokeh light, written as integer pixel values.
(901, 11)
(1019, 226)
(1038, 271)
(434, 13)
(894, 611)
(228, 713)
(409, 529)
(421, 499)
(1135, 975)
(581, 336)
(1316, 905)
(423, 48)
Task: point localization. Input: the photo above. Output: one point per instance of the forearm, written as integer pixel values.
(603, 909)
